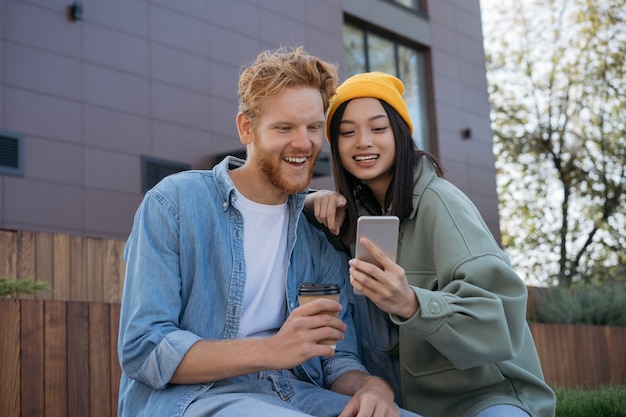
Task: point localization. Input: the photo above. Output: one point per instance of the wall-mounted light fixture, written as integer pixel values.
(76, 11)
(466, 133)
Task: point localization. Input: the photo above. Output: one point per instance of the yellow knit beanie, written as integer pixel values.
(370, 84)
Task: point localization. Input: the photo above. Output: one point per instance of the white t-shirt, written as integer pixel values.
(265, 250)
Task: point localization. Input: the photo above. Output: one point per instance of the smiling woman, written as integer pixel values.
(366, 145)
(444, 323)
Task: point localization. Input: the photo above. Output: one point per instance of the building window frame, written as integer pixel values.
(417, 6)
(360, 35)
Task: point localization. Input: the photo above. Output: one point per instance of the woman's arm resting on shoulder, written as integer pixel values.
(329, 208)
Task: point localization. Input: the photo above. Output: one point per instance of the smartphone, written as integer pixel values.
(382, 231)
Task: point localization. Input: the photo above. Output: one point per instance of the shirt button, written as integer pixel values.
(434, 307)
(225, 205)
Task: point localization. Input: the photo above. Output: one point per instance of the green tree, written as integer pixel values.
(557, 86)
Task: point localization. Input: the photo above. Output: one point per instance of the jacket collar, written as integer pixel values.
(226, 188)
(422, 176)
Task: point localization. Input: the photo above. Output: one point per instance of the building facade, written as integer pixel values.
(100, 99)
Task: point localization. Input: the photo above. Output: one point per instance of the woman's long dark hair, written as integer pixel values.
(399, 196)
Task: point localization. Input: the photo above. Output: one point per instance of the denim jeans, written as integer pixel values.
(502, 411)
(269, 393)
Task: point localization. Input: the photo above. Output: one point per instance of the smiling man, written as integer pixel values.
(210, 323)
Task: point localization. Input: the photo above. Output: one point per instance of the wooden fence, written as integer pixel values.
(581, 355)
(58, 354)
(58, 358)
(78, 268)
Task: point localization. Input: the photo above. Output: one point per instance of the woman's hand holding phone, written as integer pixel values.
(374, 271)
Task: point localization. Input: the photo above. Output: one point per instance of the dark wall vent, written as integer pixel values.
(11, 153)
(154, 170)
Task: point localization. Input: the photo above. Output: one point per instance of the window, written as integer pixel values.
(366, 50)
(154, 170)
(11, 153)
(419, 5)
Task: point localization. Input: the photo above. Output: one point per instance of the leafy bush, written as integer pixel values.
(15, 287)
(609, 401)
(583, 304)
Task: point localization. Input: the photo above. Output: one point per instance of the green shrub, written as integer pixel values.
(14, 288)
(609, 401)
(583, 304)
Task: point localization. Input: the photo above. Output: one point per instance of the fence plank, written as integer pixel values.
(544, 354)
(616, 351)
(32, 353)
(121, 270)
(26, 254)
(44, 261)
(55, 357)
(113, 270)
(78, 358)
(547, 351)
(94, 269)
(598, 368)
(99, 357)
(619, 341)
(579, 346)
(10, 358)
(116, 371)
(8, 260)
(78, 270)
(61, 261)
(556, 354)
(569, 345)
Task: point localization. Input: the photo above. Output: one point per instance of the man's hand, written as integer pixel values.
(295, 343)
(371, 396)
(329, 208)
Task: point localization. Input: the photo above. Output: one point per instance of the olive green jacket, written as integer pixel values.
(468, 346)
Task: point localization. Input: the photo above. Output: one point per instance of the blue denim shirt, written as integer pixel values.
(185, 279)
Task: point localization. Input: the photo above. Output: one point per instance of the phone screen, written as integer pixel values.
(382, 231)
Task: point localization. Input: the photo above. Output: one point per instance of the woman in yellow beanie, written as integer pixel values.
(446, 323)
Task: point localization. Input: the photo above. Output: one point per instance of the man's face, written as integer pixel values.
(288, 138)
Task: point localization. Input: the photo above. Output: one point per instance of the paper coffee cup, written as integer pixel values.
(309, 291)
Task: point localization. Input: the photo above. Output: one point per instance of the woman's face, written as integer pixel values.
(366, 144)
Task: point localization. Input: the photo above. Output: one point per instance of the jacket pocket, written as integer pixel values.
(430, 371)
